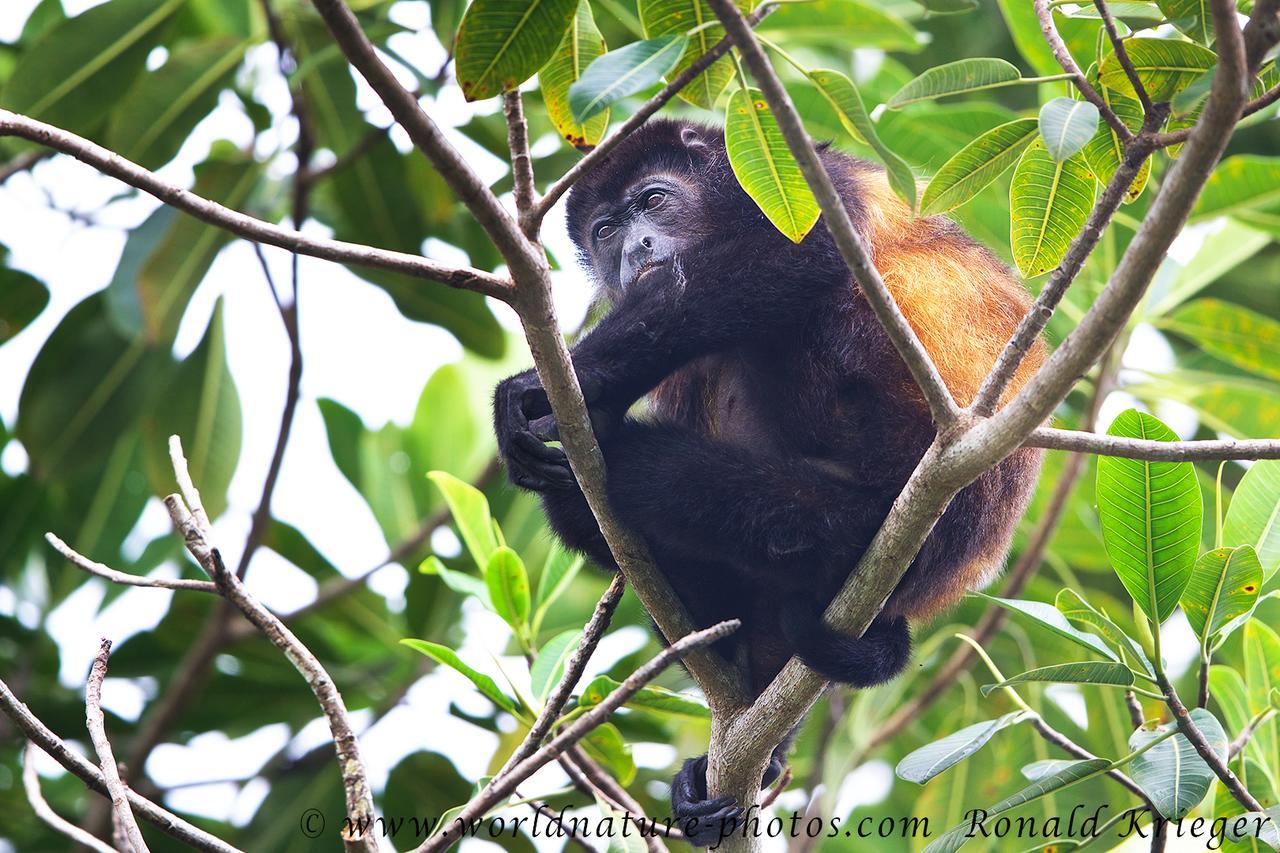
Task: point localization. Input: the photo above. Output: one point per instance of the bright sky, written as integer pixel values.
(351, 335)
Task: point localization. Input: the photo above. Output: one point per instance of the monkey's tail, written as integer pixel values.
(874, 658)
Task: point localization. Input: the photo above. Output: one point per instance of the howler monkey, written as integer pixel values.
(781, 422)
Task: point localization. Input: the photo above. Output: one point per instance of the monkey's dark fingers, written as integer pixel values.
(531, 447)
(545, 428)
(710, 829)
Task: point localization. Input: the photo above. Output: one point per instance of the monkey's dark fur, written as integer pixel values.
(781, 421)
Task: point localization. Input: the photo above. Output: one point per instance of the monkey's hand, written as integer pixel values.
(705, 821)
(524, 424)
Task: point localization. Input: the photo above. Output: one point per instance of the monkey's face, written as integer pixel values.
(643, 230)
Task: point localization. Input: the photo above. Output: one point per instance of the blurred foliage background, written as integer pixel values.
(84, 450)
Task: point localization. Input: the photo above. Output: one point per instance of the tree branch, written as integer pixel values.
(521, 162)
(636, 120)
(1063, 54)
(1246, 734)
(1122, 54)
(248, 227)
(457, 173)
(577, 730)
(1153, 451)
(1163, 222)
(123, 816)
(1196, 738)
(38, 733)
(836, 218)
(1035, 320)
(591, 636)
(196, 534)
(95, 568)
(31, 782)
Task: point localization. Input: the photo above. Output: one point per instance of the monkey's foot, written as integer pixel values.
(703, 821)
(708, 821)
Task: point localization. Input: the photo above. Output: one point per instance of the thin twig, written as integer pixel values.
(40, 734)
(547, 812)
(1068, 269)
(121, 813)
(248, 227)
(600, 780)
(95, 568)
(591, 636)
(1153, 451)
(836, 218)
(31, 782)
(471, 190)
(636, 120)
(1246, 734)
(1189, 730)
(354, 778)
(1122, 54)
(22, 163)
(778, 787)
(1063, 54)
(521, 162)
(579, 729)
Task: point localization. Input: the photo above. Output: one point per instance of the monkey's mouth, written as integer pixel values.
(646, 268)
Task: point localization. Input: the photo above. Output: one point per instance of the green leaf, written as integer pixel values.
(582, 44)
(501, 43)
(764, 166)
(843, 23)
(1235, 334)
(548, 666)
(1221, 251)
(1165, 66)
(928, 761)
(1262, 675)
(77, 72)
(976, 165)
(165, 105)
(557, 574)
(471, 513)
(623, 72)
(1140, 15)
(447, 656)
(459, 582)
(508, 585)
(1081, 672)
(1253, 518)
(955, 838)
(22, 298)
(1048, 617)
(1105, 151)
(1047, 767)
(1194, 18)
(169, 254)
(676, 17)
(1172, 773)
(1240, 183)
(1049, 204)
(1080, 610)
(1066, 126)
(201, 405)
(653, 699)
(605, 745)
(1150, 514)
(1225, 584)
(843, 96)
(954, 78)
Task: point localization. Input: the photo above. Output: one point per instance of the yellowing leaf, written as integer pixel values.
(582, 44)
(1049, 203)
(764, 165)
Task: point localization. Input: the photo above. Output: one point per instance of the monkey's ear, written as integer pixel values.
(691, 139)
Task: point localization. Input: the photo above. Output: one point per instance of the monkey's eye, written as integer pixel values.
(655, 200)
(604, 231)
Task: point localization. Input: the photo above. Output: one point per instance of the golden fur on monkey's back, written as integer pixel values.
(961, 301)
